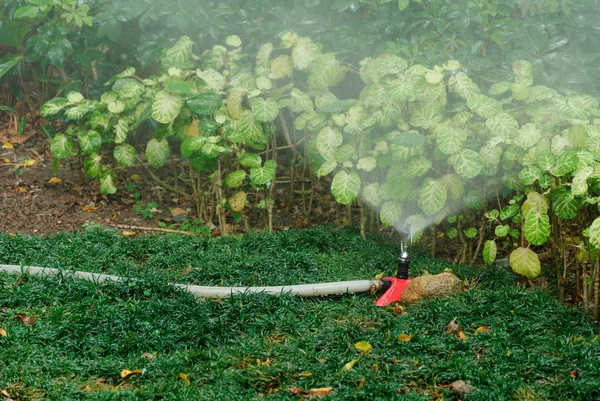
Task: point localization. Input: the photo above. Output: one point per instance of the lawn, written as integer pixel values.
(70, 339)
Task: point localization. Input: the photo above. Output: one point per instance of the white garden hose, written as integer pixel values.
(307, 290)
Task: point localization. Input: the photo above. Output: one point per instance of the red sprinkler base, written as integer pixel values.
(394, 293)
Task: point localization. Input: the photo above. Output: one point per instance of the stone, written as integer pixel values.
(432, 286)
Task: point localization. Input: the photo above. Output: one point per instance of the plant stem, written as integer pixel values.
(161, 182)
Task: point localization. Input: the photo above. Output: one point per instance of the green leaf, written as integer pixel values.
(121, 130)
(166, 107)
(179, 55)
(525, 262)
(8, 62)
(300, 101)
(263, 55)
(109, 97)
(537, 228)
(371, 194)
(595, 233)
(402, 4)
(564, 205)
(264, 109)
(250, 160)
(304, 52)
(509, 211)
(499, 88)
(53, 106)
(213, 79)
(426, 115)
(471, 232)
(401, 89)
(367, 164)
(178, 87)
(281, 66)
(125, 154)
(528, 136)
(535, 203)
(263, 175)
(466, 163)
(93, 166)
(452, 233)
(502, 230)
(454, 186)
(324, 72)
(90, 142)
(233, 41)
(390, 213)
(503, 125)
(251, 128)
(60, 146)
(484, 106)
(327, 167)
(191, 144)
(418, 167)
(26, 12)
(450, 140)
(107, 185)
(116, 107)
(529, 175)
(579, 186)
(547, 161)
(432, 196)
(206, 103)
(566, 163)
(345, 187)
(489, 252)
(328, 141)
(235, 178)
(157, 152)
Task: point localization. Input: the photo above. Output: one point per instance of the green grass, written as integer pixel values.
(85, 334)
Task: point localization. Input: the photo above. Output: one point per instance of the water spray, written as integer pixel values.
(395, 286)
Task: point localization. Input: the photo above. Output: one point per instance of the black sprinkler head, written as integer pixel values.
(403, 265)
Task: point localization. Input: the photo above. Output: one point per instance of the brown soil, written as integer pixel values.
(30, 202)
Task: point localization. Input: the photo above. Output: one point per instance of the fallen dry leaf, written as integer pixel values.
(29, 162)
(348, 367)
(7, 145)
(453, 327)
(4, 160)
(88, 208)
(20, 190)
(177, 211)
(185, 378)
(128, 233)
(320, 392)
(404, 337)
(55, 180)
(574, 374)
(135, 177)
(462, 335)
(148, 356)
(363, 346)
(3, 333)
(297, 391)
(361, 383)
(461, 388)
(27, 320)
(5, 393)
(482, 329)
(305, 374)
(125, 373)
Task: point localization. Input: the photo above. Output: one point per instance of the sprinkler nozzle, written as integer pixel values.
(403, 264)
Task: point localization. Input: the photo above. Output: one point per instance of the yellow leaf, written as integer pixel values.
(3, 333)
(125, 373)
(462, 335)
(404, 337)
(508, 353)
(20, 190)
(5, 160)
(192, 129)
(363, 346)
(128, 233)
(7, 145)
(184, 377)
(320, 392)
(305, 374)
(238, 201)
(482, 329)
(88, 208)
(348, 367)
(55, 180)
(29, 162)
(135, 177)
(361, 383)
(380, 276)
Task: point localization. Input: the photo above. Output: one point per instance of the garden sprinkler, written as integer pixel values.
(395, 286)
